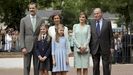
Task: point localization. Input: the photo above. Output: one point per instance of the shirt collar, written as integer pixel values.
(100, 20)
(32, 16)
(44, 36)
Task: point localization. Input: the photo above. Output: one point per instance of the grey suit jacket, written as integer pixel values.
(105, 40)
(27, 36)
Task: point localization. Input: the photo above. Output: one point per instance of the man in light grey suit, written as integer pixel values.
(29, 26)
(101, 43)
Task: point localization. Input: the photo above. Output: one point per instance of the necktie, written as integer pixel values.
(43, 37)
(98, 28)
(33, 22)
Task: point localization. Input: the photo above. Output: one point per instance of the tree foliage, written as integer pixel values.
(11, 11)
(123, 8)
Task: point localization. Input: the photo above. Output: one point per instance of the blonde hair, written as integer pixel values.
(40, 34)
(57, 33)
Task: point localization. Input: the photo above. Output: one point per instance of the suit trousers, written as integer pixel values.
(27, 63)
(106, 62)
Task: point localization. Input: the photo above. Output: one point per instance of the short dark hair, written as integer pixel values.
(33, 3)
(61, 18)
(56, 15)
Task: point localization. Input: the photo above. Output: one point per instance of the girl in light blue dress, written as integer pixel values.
(60, 48)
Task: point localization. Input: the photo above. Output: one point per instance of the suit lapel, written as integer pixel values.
(29, 22)
(37, 21)
(103, 26)
(94, 26)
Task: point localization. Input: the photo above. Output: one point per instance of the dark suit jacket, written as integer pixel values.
(105, 40)
(43, 47)
(27, 35)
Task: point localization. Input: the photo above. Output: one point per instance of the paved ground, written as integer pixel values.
(118, 69)
(14, 66)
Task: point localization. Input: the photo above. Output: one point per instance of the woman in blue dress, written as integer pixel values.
(43, 50)
(60, 52)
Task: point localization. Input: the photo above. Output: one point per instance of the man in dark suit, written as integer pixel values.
(101, 44)
(29, 26)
